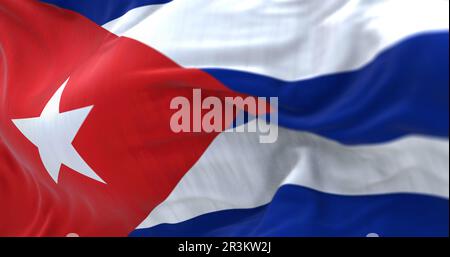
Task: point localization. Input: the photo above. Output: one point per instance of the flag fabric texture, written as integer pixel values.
(363, 118)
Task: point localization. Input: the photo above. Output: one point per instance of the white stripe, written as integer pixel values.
(286, 39)
(130, 19)
(237, 171)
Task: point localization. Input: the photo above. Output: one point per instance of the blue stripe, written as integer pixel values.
(102, 11)
(404, 90)
(299, 211)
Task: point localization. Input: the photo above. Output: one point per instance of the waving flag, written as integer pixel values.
(86, 146)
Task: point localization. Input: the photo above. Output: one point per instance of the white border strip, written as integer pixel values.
(238, 172)
(285, 39)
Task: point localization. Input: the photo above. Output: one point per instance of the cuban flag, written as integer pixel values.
(86, 147)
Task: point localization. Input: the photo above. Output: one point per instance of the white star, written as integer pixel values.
(53, 132)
